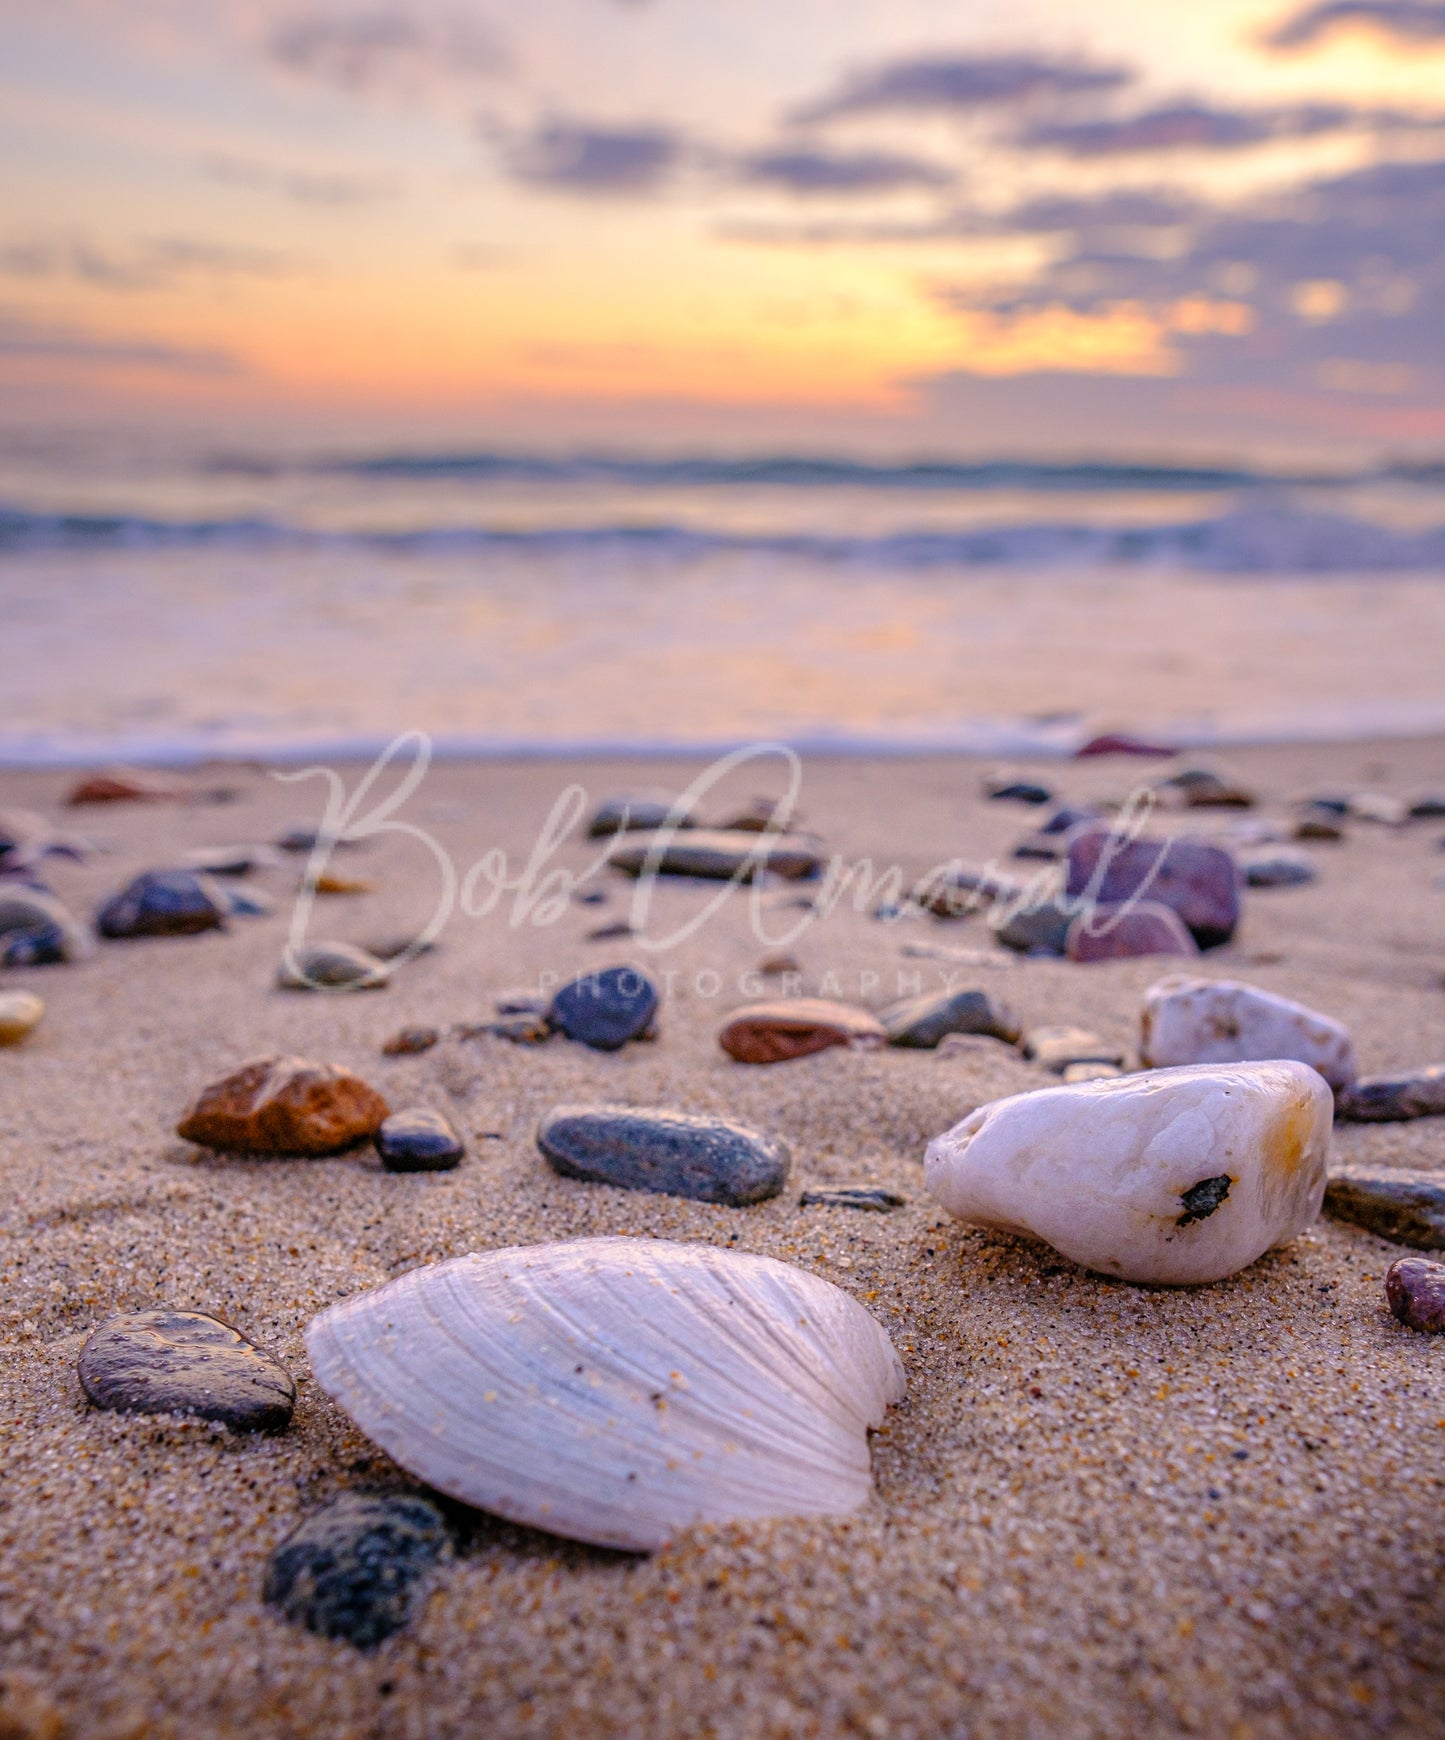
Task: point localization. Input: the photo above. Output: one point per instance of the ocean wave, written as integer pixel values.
(1254, 539)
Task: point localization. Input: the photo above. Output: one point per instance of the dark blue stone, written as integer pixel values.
(674, 1153)
(164, 903)
(354, 1570)
(44, 946)
(416, 1140)
(605, 1009)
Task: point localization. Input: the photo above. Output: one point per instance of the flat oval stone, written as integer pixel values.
(354, 1570)
(1187, 1020)
(797, 1027)
(1393, 1099)
(417, 1140)
(921, 1022)
(638, 811)
(606, 1008)
(719, 855)
(1113, 933)
(1278, 869)
(408, 1041)
(868, 1198)
(673, 1153)
(164, 903)
(332, 967)
(1415, 1289)
(1428, 808)
(1180, 1177)
(185, 1362)
(1199, 879)
(1408, 1208)
(1007, 785)
(1056, 1048)
(32, 913)
(284, 1105)
(20, 1013)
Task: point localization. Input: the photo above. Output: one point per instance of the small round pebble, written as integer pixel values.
(1415, 1288)
(605, 1009)
(20, 1013)
(417, 1140)
(353, 1571)
(185, 1362)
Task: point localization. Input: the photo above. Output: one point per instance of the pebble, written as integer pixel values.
(772, 966)
(389, 948)
(303, 838)
(164, 903)
(976, 1045)
(1056, 1048)
(1408, 1208)
(522, 1002)
(962, 889)
(330, 883)
(1109, 933)
(1415, 1289)
(638, 811)
(185, 1362)
(871, 1198)
(44, 946)
(1318, 827)
(1429, 807)
(1186, 1020)
(1375, 806)
(246, 903)
(605, 1009)
(1278, 869)
(34, 913)
(417, 1140)
(921, 1022)
(231, 860)
(20, 1013)
(719, 855)
(1392, 1099)
(613, 931)
(332, 967)
(1121, 743)
(118, 785)
(407, 1041)
(1199, 879)
(519, 1029)
(284, 1105)
(1042, 845)
(1206, 785)
(672, 1153)
(1005, 785)
(761, 815)
(1041, 928)
(797, 1027)
(354, 1571)
(1179, 1178)
(590, 896)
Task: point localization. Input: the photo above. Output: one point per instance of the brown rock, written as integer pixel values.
(330, 883)
(284, 1105)
(1110, 933)
(409, 1041)
(797, 1027)
(120, 785)
(1415, 1288)
(1408, 1208)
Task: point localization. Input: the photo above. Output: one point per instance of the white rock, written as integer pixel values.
(1188, 1020)
(616, 1390)
(20, 1012)
(1181, 1176)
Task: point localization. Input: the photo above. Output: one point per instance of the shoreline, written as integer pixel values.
(1101, 1509)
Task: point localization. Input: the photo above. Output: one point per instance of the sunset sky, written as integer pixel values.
(892, 225)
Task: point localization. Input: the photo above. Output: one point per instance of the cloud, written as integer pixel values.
(577, 157)
(391, 52)
(959, 84)
(53, 342)
(1408, 22)
(305, 186)
(804, 171)
(1188, 127)
(152, 264)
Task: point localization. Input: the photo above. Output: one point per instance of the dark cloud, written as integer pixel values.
(1405, 21)
(145, 265)
(574, 157)
(305, 186)
(958, 84)
(388, 51)
(23, 337)
(1188, 127)
(802, 170)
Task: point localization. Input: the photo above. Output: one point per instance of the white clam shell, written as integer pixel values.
(616, 1390)
(1125, 1176)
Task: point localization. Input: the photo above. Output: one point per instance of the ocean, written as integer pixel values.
(178, 600)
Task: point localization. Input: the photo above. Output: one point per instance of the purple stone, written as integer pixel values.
(1198, 879)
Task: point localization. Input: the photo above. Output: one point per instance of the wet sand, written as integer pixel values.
(1102, 1510)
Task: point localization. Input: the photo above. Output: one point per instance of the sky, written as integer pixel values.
(894, 226)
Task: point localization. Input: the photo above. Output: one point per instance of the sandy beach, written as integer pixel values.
(1102, 1509)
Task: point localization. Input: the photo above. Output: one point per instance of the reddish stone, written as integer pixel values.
(1198, 879)
(1415, 1288)
(284, 1105)
(120, 785)
(1118, 743)
(1109, 933)
(797, 1027)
